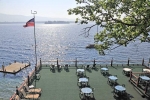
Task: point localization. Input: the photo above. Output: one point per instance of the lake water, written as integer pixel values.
(62, 41)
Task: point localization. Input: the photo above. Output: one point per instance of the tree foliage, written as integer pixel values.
(123, 21)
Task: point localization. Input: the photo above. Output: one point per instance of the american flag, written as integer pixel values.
(29, 23)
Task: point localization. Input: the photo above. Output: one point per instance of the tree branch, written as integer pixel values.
(119, 21)
(87, 30)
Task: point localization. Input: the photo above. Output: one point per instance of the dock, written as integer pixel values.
(14, 67)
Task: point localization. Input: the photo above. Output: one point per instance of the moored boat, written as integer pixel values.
(90, 46)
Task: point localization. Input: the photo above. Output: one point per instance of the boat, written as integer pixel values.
(90, 46)
(57, 22)
(59, 80)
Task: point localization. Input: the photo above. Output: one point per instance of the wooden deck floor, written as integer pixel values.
(14, 67)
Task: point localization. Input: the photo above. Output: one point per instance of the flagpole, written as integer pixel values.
(34, 12)
(34, 37)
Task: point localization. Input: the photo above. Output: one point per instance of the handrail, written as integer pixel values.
(134, 75)
(128, 61)
(139, 72)
(87, 60)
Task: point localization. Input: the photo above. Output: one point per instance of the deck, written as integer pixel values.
(62, 85)
(14, 67)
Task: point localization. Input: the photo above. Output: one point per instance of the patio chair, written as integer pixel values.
(87, 67)
(37, 76)
(52, 67)
(17, 97)
(66, 66)
(123, 93)
(29, 96)
(81, 95)
(123, 85)
(59, 67)
(36, 90)
(93, 89)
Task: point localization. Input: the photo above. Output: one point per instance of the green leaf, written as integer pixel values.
(123, 21)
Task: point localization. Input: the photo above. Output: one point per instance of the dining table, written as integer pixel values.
(80, 71)
(104, 70)
(83, 81)
(112, 79)
(120, 90)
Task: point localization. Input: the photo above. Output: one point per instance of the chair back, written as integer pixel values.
(23, 92)
(26, 87)
(93, 89)
(123, 85)
(53, 66)
(17, 97)
(66, 65)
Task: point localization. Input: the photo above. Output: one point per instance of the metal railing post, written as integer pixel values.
(111, 61)
(128, 61)
(57, 61)
(94, 63)
(40, 63)
(76, 62)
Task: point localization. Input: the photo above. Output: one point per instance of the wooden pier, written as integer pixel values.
(14, 67)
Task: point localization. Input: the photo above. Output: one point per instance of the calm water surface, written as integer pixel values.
(62, 41)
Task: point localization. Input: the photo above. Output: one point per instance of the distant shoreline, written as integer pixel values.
(57, 22)
(44, 22)
(15, 22)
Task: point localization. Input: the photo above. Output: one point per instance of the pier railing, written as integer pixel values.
(110, 62)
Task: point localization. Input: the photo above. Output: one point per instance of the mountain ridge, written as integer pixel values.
(22, 18)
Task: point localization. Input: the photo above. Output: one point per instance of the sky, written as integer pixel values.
(44, 8)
